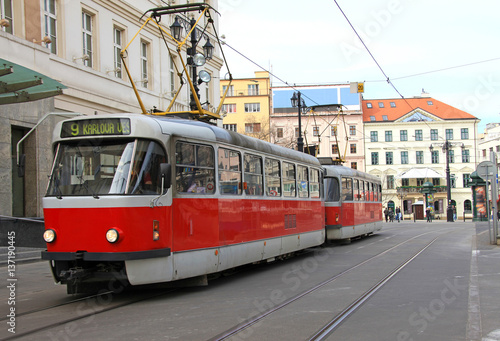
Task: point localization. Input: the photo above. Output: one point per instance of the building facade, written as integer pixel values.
(247, 105)
(405, 142)
(331, 122)
(489, 142)
(75, 45)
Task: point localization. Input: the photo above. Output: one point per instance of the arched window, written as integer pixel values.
(467, 206)
(391, 205)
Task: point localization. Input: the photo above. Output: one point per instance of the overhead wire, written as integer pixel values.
(387, 78)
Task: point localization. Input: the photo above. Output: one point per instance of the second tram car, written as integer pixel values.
(353, 203)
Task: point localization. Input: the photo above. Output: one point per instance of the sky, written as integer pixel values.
(449, 49)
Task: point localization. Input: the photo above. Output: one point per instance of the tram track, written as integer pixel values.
(328, 328)
(81, 309)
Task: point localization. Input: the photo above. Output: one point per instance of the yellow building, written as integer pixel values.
(247, 105)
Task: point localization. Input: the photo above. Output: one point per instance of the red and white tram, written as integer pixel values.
(148, 199)
(353, 203)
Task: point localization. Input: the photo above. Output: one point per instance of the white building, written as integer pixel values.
(399, 134)
(489, 142)
(82, 61)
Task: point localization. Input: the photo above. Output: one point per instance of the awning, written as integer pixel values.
(19, 84)
(424, 173)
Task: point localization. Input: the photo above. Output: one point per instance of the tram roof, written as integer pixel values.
(337, 170)
(200, 131)
(197, 129)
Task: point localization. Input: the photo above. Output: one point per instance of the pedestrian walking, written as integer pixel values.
(428, 213)
(398, 214)
(386, 214)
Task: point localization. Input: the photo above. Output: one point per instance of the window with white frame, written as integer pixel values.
(144, 63)
(230, 91)
(87, 27)
(252, 107)
(229, 108)
(253, 89)
(50, 23)
(231, 127)
(171, 71)
(117, 48)
(6, 13)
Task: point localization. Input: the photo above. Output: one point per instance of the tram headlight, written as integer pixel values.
(49, 236)
(112, 235)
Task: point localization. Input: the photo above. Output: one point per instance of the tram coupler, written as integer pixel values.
(74, 275)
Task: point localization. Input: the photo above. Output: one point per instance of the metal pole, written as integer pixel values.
(449, 210)
(192, 51)
(494, 196)
(300, 141)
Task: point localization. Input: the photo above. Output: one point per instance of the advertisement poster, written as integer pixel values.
(480, 202)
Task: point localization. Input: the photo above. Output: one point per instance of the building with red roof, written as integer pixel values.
(404, 141)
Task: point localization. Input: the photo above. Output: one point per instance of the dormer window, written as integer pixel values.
(380, 104)
(372, 118)
(393, 104)
(429, 103)
(384, 118)
(369, 105)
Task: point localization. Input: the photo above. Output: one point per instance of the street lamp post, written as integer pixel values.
(446, 149)
(298, 102)
(195, 59)
(449, 209)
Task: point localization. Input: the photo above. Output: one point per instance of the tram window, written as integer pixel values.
(229, 171)
(85, 169)
(195, 168)
(273, 178)
(332, 189)
(346, 189)
(356, 189)
(314, 184)
(145, 177)
(289, 179)
(303, 181)
(253, 174)
(362, 190)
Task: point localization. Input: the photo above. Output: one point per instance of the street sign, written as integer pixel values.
(357, 87)
(486, 170)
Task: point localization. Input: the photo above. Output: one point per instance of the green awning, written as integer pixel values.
(19, 84)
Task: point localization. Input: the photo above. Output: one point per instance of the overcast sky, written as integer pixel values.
(311, 42)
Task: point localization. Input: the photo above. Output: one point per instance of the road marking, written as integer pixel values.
(473, 331)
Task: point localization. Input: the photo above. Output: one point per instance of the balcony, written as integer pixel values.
(417, 189)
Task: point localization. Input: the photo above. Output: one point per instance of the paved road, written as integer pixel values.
(449, 291)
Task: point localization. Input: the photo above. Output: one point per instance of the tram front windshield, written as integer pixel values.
(109, 168)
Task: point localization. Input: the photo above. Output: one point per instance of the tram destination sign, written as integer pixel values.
(96, 127)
